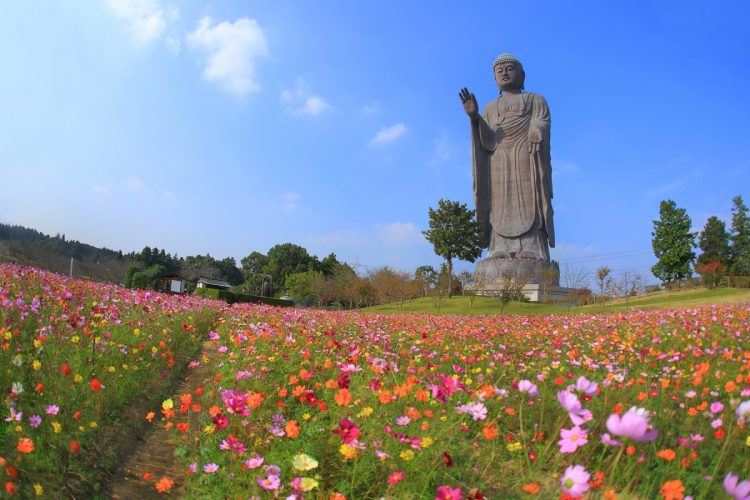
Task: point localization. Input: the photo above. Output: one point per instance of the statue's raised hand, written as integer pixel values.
(469, 102)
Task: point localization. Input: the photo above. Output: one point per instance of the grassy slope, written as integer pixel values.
(661, 299)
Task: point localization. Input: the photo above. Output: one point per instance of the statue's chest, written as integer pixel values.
(507, 111)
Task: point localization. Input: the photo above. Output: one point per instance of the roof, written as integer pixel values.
(212, 282)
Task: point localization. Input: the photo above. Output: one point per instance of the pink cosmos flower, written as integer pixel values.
(210, 468)
(477, 410)
(586, 386)
(52, 410)
(634, 425)
(528, 387)
(575, 481)
(739, 491)
(395, 477)
(403, 420)
(270, 482)
(716, 407)
(570, 402)
(448, 493)
(743, 412)
(572, 439)
(253, 462)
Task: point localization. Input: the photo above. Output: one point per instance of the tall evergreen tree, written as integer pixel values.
(714, 242)
(672, 243)
(454, 234)
(740, 250)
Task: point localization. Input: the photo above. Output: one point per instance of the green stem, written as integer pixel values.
(616, 460)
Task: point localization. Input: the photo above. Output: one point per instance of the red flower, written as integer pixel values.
(96, 385)
(447, 460)
(75, 447)
(65, 369)
(348, 430)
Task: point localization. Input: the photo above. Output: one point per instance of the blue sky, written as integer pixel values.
(230, 126)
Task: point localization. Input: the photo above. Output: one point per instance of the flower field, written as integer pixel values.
(320, 404)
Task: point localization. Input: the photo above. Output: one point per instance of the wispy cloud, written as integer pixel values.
(134, 183)
(301, 101)
(232, 50)
(388, 135)
(371, 107)
(442, 150)
(146, 19)
(290, 201)
(675, 185)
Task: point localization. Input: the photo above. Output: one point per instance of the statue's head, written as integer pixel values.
(509, 73)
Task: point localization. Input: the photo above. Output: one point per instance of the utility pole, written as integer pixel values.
(71, 267)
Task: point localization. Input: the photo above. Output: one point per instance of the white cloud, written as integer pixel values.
(442, 150)
(388, 134)
(371, 107)
(565, 167)
(290, 201)
(300, 101)
(134, 183)
(231, 50)
(100, 190)
(146, 19)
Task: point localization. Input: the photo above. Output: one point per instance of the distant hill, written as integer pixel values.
(22, 245)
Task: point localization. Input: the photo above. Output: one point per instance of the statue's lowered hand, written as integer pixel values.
(469, 102)
(535, 141)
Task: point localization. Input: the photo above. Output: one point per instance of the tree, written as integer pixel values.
(287, 258)
(601, 278)
(426, 276)
(714, 242)
(740, 250)
(229, 271)
(672, 243)
(454, 234)
(253, 263)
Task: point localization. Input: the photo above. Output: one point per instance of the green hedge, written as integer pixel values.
(233, 298)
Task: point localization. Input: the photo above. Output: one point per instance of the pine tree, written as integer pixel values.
(714, 242)
(672, 243)
(454, 233)
(740, 250)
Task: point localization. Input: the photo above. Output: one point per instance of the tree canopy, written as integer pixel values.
(714, 242)
(740, 250)
(454, 234)
(672, 243)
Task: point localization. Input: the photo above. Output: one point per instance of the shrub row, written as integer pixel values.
(233, 297)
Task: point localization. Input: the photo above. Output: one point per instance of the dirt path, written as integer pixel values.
(155, 453)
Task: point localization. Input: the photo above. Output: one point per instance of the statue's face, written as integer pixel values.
(508, 76)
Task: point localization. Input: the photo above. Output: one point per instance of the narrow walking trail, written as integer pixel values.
(153, 458)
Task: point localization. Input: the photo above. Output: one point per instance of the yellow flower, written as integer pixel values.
(136, 332)
(347, 451)
(407, 455)
(78, 379)
(124, 366)
(38, 490)
(365, 412)
(36, 365)
(168, 404)
(514, 446)
(93, 424)
(426, 442)
(308, 484)
(154, 350)
(111, 369)
(303, 462)
(56, 427)
(209, 429)
(74, 339)
(747, 441)
(37, 343)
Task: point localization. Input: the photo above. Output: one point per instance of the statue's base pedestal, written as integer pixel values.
(532, 291)
(500, 269)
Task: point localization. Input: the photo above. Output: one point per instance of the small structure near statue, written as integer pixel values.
(513, 187)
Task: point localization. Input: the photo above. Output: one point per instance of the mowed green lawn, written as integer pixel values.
(482, 305)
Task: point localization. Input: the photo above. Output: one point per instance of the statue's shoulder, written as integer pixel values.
(536, 97)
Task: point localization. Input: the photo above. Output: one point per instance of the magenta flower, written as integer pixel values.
(739, 491)
(253, 462)
(35, 421)
(570, 403)
(572, 439)
(575, 481)
(348, 430)
(52, 410)
(448, 493)
(403, 420)
(270, 482)
(528, 387)
(586, 386)
(743, 412)
(634, 425)
(716, 407)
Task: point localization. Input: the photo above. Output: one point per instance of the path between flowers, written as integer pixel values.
(153, 458)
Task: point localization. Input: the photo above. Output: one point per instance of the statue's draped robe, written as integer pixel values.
(512, 187)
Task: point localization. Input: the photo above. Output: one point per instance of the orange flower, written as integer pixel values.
(422, 395)
(597, 480)
(292, 428)
(147, 476)
(343, 397)
(214, 410)
(75, 446)
(337, 496)
(165, 484)
(673, 490)
(531, 488)
(666, 454)
(510, 411)
(25, 445)
(183, 426)
(385, 397)
(150, 416)
(609, 495)
(630, 450)
(254, 399)
(730, 386)
(490, 431)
